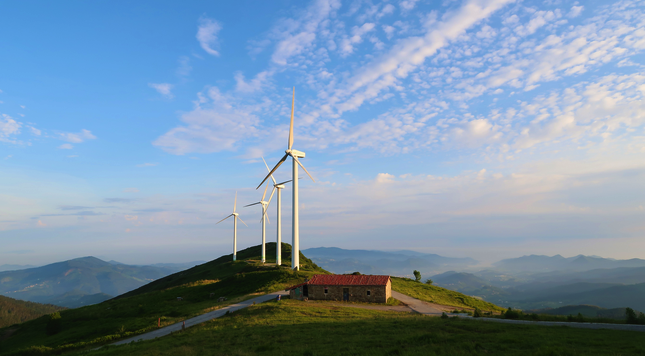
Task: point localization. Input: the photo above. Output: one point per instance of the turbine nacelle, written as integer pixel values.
(295, 153)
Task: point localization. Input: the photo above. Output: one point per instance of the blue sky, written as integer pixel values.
(482, 128)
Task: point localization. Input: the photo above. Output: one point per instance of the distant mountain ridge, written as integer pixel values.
(13, 311)
(77, 282)
(541, 263)
(398, 263)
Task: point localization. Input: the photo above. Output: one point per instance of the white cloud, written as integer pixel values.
(207, 35)
(8, 128)
(575, 11)
(163, 89)
(255, 84)
(407, 5)
(35, 131)
(184, 68)
(76, 137)
(347, 44)
(216, 123)
(147, 164)
(65, 146)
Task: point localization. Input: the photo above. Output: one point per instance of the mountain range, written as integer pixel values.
(78, 282)
(539, 263)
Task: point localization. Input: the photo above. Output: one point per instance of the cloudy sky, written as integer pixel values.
(481, 128)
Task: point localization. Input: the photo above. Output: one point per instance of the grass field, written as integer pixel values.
(438, 295)
(299, 328)
(139, 311)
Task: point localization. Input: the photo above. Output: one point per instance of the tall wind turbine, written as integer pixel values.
(278, 187)
(265, 204)
(235, 217)
(295, 246)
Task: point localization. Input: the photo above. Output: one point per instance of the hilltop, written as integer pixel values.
(139, 310)
(14, 311)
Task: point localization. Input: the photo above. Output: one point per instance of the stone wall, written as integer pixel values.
(378, 294)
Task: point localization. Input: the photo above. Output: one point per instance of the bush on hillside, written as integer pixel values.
(429, 281)
(478, 313)
(444, 315)
(631, 318)
(512, 314)
(54, 324)
(417, 275)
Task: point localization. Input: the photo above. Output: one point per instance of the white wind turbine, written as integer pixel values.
(279, 187)
(265, 204)
(295, 246)
(235, 217)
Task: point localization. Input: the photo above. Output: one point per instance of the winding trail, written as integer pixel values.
(201, 318)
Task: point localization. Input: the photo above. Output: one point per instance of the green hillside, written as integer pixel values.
(588, 311)
(13, 311)
(138, 311)
(299, 328)
(438, 295)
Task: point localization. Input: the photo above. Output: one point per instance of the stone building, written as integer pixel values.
(346, 287)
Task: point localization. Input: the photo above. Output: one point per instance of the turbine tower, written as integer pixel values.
(295, 246)
(235, 217)
(265, 204)
(279, 187)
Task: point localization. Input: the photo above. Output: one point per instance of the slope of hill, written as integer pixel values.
(140, 310)
(6, 267)
(13, 311)
(589, 311)
(67, 283)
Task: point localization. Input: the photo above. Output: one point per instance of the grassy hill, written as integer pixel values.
(138, 311)
(14, 311)
(300, 328)
(438, 295)
(68, 283)
(588, 311)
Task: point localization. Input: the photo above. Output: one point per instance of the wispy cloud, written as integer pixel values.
(147, 164)
(65, 146)
(207, 35)
(163, 89)
(77, 137)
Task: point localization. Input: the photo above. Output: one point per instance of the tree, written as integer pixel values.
(54, 324)
(429, 281)
(417, 275)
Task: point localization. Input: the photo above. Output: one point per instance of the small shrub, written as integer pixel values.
(54, 324)
(535, 316)
(630, 316)
(477, 313)
(356, 274)
(429, 281)
(511, 314)
(444, 315)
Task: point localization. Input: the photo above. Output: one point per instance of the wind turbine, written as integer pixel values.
(265, 204)
(295, 244)
(235, 217)
(279, 187)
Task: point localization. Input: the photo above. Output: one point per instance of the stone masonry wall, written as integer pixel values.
(378, 294)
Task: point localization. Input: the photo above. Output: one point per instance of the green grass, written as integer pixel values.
(138, 311)
(298, 328)
(14, 311)
(438, 295)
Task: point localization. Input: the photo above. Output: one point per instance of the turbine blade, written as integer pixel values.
(267, 215)
(273, 170)
(253, 204)
(224, 219)
(303, 167)
(285, 182)
(293, 99)
(242, 221)
(265, 192)
(235, 203)
(266, 165)
(271, 197)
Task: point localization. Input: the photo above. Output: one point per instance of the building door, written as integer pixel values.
(305, 291)
(346, 294)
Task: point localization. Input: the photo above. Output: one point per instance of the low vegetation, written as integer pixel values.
(438, 295)
(13, 311)
(298, 328)
(141, 310)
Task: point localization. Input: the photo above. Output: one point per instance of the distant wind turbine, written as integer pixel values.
(265, 204)
(295, 250)
(235, 217)
(278, 187)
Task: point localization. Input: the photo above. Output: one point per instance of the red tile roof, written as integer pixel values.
(345, 280)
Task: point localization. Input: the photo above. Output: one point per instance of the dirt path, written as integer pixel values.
(201, 318)
(420, 306)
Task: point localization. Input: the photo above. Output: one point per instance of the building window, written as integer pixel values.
(369, 292)
(326, 290)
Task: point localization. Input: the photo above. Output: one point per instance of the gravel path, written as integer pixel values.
(417, 305)
(201, 318)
